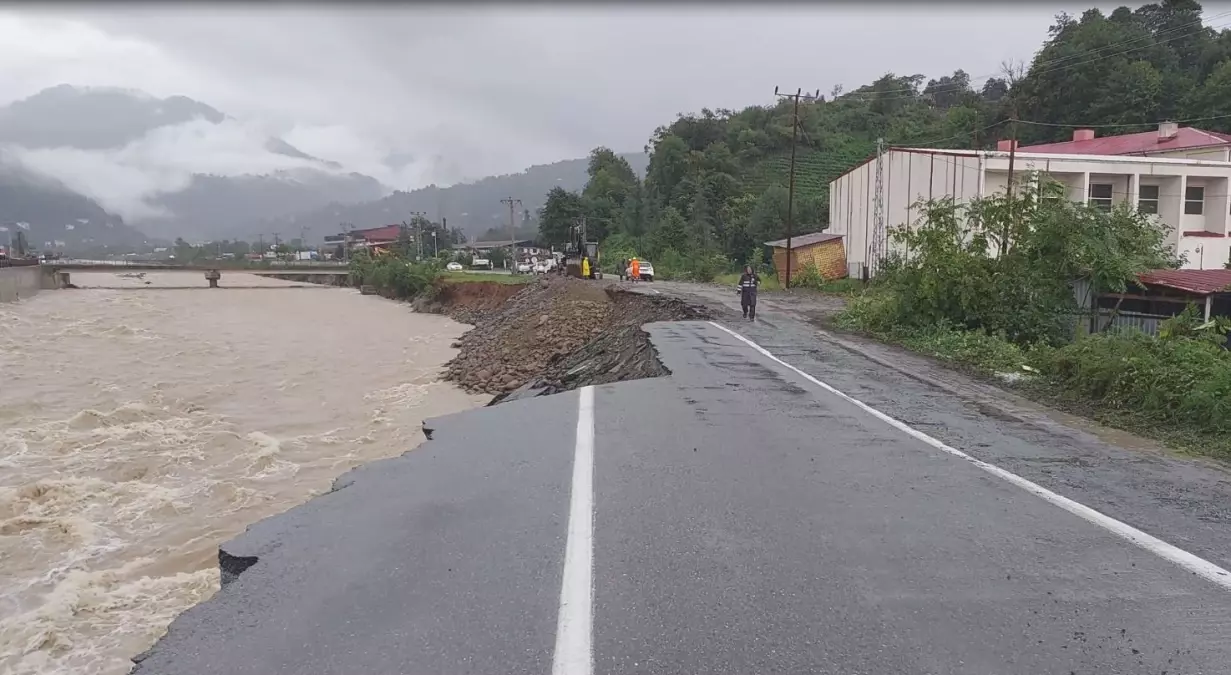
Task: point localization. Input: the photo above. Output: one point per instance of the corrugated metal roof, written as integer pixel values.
(801, 240)
(382, 233)
(1133, 144)
(1199, 282)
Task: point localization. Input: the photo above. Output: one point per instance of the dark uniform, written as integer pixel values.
(748, 294)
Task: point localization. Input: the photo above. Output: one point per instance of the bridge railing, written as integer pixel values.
(18, 262)
(202, 264)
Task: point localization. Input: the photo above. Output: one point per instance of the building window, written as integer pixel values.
(1147, 199)
(1100, 195)
(1194, 200)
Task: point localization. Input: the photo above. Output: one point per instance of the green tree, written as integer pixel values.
(560, 212)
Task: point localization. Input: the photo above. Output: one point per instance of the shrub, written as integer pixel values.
(393, 276)
(1185, 381)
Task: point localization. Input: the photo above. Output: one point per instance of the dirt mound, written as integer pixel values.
(468, 302)
(558, 334)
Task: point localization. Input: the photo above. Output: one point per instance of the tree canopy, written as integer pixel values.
(716, 184)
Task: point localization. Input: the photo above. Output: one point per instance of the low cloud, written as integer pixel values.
(126, 180)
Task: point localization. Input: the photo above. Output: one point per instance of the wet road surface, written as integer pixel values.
(744, 520)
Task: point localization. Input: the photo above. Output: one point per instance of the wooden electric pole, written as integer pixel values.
(790, 195)
(512, 230)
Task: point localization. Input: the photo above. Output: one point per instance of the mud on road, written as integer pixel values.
(1180, 499)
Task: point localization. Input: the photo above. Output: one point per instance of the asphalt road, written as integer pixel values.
(739, 518)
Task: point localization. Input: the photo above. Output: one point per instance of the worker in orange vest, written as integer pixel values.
(635, 270)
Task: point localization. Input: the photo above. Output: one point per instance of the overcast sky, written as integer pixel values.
(484, 89)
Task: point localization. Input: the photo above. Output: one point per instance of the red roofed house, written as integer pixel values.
(1180, 174)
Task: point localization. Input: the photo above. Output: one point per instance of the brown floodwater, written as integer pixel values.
(142, 424)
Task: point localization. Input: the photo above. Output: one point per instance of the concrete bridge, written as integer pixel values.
(56, 273)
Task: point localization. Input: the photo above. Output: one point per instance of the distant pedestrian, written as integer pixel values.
(623, 269)
(748, 283)
(635, 270)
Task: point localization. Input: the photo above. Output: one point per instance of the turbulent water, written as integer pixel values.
(139, 428)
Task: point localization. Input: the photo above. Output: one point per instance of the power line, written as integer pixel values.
(1124, 125)
(964, 134)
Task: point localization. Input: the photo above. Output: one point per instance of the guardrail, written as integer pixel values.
(17, 262)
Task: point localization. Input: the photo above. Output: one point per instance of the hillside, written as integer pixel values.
(716, 184)
(48, 212)
(85, 140)
(472, 207)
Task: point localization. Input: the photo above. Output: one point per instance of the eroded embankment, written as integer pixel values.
(553, 335)
(544, 337)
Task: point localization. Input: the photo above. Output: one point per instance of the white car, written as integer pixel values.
(541, 268)
(454, 267)
(646, 271)
(524, 268)
(482, 263)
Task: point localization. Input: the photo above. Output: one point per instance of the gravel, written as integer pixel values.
(557, 334)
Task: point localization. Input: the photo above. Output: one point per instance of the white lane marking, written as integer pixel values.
(656, 291)
(574, 625)
(1162, 549)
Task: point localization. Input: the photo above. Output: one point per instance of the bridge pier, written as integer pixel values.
(212, 277)
(54, 279)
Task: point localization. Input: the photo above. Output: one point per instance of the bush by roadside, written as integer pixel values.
(1004, 306)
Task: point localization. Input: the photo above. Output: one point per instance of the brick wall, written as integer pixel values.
(828, 256)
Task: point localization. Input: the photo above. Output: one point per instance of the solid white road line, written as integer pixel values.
(1188, 561)
(574, 626)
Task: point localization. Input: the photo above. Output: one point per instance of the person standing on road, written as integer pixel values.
(635, 270)
(748, 293)
(623, 269)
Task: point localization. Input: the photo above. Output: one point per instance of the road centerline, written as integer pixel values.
(1158, 547)
(574, 652)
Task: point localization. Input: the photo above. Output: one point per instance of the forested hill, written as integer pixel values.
(716, 185)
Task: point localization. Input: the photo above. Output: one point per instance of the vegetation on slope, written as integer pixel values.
(716, 185)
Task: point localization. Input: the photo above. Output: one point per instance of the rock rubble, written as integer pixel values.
(557, 334)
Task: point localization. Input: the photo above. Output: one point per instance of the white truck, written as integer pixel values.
(481, 264)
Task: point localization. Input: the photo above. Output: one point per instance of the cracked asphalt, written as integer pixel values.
(745, 521)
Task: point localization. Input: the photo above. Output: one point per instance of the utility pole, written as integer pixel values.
(790, 197)
(1004, 236)
(878, 211)
(512, 230)
(417, 218)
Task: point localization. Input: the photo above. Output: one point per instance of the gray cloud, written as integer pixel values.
(480, 90)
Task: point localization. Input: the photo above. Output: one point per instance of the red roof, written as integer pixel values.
(382, 233)
(1198, 282)
(1134, 144)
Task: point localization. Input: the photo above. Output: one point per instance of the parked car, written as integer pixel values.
(482, 264)
(454, 267)
(542, 268)
(647, 271)
(524, 268)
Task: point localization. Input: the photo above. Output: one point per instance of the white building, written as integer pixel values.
(1183, 175)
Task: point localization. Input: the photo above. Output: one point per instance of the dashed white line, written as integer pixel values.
(1162, 549)
(574, 626)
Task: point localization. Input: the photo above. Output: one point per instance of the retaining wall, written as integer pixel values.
(19, 283)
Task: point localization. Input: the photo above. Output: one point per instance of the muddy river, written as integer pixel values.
(141, 424)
